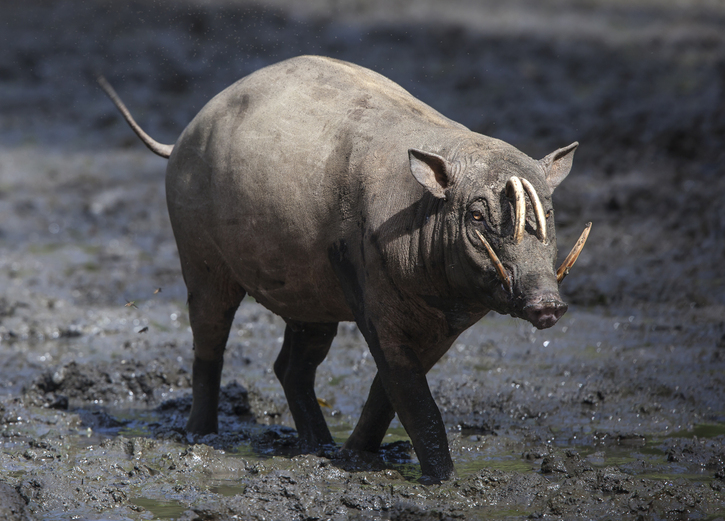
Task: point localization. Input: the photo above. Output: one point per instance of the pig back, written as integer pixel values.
(286, 163)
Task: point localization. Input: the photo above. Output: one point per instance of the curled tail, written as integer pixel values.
(155, 147)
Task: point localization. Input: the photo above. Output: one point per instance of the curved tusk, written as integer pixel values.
(514, 184)
(563, 270)
(496, 263)
(538, 210)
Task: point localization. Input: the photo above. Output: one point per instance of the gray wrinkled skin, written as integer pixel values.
(328, 193)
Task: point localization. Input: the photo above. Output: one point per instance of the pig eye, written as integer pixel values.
(477, 216)
(549, 214)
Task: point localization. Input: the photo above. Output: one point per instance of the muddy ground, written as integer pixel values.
(618, 412)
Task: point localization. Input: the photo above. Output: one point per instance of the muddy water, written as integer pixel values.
(602, 419)
(617, 412)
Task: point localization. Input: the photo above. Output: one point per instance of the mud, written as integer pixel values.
(615, 413)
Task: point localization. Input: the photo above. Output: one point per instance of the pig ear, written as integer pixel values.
(430, 170)
(558, 164)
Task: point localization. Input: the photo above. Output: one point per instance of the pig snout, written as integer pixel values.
(545, 312)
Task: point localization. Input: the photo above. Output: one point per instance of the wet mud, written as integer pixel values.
(618, 412)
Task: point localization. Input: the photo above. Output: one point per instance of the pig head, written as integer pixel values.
(498, 216)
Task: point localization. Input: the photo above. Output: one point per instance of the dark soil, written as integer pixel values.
(615, 413)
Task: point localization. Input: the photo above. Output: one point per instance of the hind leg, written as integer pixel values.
(304, 348)
(213, 299)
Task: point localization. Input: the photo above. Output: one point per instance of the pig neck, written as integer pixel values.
(416, 244)
(432, 282)
(417, 234)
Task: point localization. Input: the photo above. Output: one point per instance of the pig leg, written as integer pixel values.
(401, 374)
(378, 412)
(374, 421)
(402, 377)
(304, 348)
(213, 300)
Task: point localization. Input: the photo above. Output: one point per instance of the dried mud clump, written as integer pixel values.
(109, 384)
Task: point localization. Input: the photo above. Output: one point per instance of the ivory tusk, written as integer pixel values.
(519, 207)
(496, 263)
(538, 210)
(563, 270)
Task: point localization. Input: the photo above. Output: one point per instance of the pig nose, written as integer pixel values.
(545, 313)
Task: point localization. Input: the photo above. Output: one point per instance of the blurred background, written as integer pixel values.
(639, 83)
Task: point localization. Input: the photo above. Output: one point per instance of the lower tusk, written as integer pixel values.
(497, 263)
(563, 270)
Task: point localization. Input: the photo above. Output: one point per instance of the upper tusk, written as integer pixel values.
(497, 263)
(538, 210)
(563, 270)
(514, 184)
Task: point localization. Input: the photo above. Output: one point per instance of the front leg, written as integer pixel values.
(374, 420)
(378, 412)
(405, 339)
(402, 376)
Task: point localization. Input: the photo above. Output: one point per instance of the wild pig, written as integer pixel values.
(329, 193)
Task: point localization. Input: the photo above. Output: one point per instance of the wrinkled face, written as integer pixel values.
(507, 233)
(501, 213)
